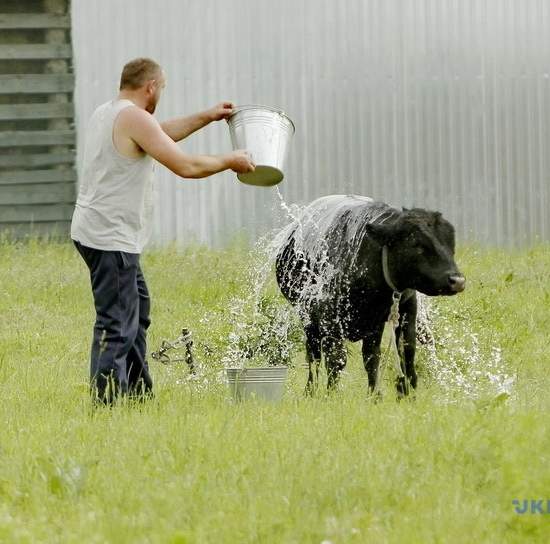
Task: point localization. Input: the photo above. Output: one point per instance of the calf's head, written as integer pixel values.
(420, 252)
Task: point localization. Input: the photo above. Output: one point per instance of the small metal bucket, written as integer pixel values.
(263, 383)
(266, 133)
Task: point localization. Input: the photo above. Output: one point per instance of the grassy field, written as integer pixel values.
(193, 466)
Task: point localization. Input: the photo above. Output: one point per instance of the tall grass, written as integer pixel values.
(193, 466)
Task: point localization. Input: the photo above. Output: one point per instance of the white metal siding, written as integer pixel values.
(442, 104)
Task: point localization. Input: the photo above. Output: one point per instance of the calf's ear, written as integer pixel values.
(381, 233)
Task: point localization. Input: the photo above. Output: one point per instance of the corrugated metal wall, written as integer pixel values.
(436, 103)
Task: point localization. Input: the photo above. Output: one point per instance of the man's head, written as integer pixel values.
(146, 77)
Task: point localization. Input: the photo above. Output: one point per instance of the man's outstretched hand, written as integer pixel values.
(240, 161)
(221, 111)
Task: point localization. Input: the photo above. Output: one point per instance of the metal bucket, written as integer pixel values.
(263, 383)
(266, 133)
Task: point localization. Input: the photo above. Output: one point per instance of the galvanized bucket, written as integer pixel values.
(266, 133)
(263, 383)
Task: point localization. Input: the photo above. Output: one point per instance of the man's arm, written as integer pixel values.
(181, 127)
(147, 133)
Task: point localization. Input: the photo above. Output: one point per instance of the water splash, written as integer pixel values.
(458, 362)
(266, 329)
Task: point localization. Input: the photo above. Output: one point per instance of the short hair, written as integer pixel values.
(136, 72)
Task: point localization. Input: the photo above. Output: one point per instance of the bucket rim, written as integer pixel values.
(261, 368)
(244, 107)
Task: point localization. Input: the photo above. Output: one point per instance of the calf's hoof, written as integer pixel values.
(375, 396)
(403, 387)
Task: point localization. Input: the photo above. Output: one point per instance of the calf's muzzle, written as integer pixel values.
(457, 283)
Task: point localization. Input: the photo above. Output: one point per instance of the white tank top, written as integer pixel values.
(114, 207)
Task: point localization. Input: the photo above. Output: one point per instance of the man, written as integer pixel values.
(112, 216)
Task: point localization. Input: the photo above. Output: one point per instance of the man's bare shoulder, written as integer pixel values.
(136, 117)
(139, 126)
(133, 126)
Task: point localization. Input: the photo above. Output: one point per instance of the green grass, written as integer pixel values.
(192, 466)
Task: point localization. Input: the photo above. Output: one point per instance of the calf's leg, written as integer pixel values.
(406, 338)
(371, 353)
(335, 359)
(313, 358)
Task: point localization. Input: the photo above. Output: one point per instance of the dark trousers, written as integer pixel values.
(119, 352)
